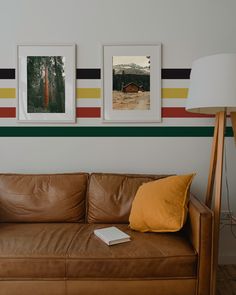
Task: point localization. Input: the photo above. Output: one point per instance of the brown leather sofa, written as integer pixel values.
(47, 245)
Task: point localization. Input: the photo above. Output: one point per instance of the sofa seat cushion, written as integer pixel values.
(72, 251)
(35, 250)
(147, 256)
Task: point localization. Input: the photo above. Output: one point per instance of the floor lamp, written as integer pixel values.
(212, 90)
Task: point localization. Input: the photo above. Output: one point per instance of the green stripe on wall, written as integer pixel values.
(109, 131)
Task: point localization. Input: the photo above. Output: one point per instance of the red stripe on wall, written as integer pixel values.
(181, 113)
(88, 112)
(80, 112)
(95, 112)
(7, 112)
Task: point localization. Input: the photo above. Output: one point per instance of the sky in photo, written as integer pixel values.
(138, 60)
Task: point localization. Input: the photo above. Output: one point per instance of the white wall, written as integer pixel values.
(187, 29)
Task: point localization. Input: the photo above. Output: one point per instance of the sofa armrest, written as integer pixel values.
(199, 230)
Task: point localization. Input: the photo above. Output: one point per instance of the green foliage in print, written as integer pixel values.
(45, 84)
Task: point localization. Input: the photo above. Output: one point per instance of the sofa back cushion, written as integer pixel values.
(110, 196)
(42, 198)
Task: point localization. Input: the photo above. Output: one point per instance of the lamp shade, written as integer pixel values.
(213, 84)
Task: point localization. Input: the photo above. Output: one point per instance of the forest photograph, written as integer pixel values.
(131, 83)
(45, 84)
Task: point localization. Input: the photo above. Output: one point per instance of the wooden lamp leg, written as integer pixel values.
(217, 201)
(233, 120)
(211, 175)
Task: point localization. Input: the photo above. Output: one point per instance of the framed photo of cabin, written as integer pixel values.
(46, 83)
(132, 83)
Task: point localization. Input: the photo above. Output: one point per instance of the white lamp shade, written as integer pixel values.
(213, 85)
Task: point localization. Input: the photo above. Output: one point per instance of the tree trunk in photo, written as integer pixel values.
(46, 89)
(58, 85)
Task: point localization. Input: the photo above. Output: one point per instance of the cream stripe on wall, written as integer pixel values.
(166, 122)
(89, 102)
(86, 83)
(97, 102)
(7, 102)
(174, 83)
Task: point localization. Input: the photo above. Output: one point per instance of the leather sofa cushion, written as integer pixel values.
(36, 250)
(147, 256)
(110, 196)
(71, 250)
(42, 198)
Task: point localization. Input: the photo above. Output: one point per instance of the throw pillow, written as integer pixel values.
(161, 205)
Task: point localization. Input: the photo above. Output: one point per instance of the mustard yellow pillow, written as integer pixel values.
(161, 205)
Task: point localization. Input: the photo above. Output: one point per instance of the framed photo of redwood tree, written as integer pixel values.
(132, 83)
(46, 83)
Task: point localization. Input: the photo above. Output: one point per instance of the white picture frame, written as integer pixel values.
(118, 106)
(39, 101)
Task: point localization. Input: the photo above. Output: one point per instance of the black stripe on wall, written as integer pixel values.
(88, 74)
(7, 73)
(175, 73)
(96, 73)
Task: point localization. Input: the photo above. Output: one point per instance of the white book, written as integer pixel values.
(112, 235)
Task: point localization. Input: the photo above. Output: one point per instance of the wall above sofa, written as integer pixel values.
(187, 29)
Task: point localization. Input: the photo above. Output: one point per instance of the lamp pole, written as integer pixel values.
(215, 177)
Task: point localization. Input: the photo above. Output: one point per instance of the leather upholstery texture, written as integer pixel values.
(47, 247)
(42, 198)
(200, 233)
(134, 287)
(148, 255)
(104, 287)
(35, 250)
(71, 250)
(110, 196)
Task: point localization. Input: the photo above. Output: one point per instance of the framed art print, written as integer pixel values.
(132, 83)
(46, 83)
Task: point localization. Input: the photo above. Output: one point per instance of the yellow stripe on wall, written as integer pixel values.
(7, 93)
(174, 92)
(96, 93)
(88, 92)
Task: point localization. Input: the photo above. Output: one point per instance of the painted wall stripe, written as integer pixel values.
(7, 92)
(7, 112)
(174, 92)
(84, 112)
(170, 102)
(95, 112)
(88, 92)
(69, 131)
(165, 83)
(7, 73)
(88, 74)
(174, 112)
(97, 83)
(177, 73)
(93, 102)
(96, 92)
(81, 112)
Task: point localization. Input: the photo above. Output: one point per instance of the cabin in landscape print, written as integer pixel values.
(131, 88)
(131, 83)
